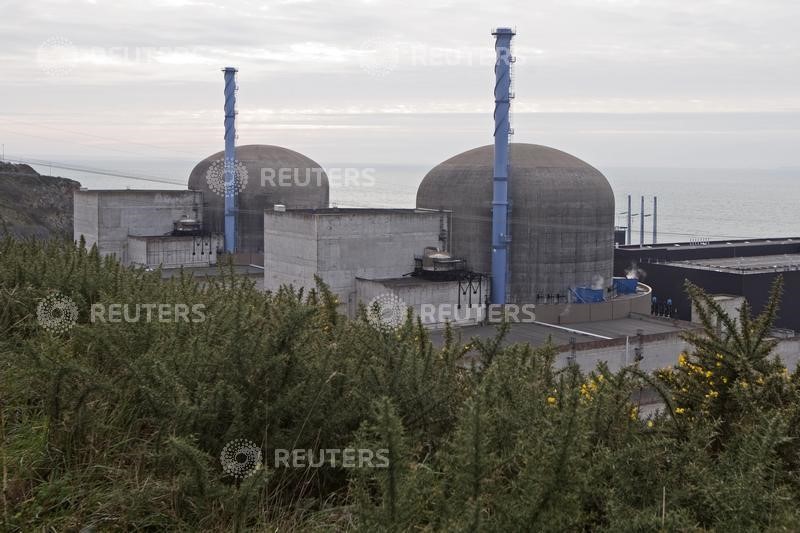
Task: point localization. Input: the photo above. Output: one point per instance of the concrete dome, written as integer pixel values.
(561, 213)
(274, 175)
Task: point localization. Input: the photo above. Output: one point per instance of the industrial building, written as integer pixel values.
(508, 224)
(363, 253)
(146, 228)
(561, 219)
(263, 182)
(650, 342)
(744, 268)
(502, 224)
(526, 224)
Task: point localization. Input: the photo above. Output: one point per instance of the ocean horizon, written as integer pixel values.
(693, 203)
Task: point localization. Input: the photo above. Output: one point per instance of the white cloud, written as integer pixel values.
(138, 62)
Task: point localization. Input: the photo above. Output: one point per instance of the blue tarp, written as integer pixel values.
(625, 285)
(588, 295)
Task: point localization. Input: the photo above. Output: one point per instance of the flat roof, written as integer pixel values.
(213, 271)
(170, 236)
(629, 327)
(159, 191)
(538, 333)
(358, 211)
(710, 244)
(756, 264)
(405, 281)
(533, 334)
(410, 281)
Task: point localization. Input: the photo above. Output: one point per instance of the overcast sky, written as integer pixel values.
(681, 83)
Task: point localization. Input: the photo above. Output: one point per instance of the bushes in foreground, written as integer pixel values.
(120, 426)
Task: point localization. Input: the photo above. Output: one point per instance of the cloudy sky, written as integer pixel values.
(653, 83)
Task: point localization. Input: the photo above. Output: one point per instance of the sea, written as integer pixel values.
(693, 203)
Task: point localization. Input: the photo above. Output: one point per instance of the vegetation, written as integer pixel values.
(119, 426)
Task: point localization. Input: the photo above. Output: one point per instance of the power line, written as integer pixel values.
(101, 172)
(353, 204)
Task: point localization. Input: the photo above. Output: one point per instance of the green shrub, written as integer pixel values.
(120, 426)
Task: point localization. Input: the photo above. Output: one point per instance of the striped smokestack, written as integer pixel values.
(230, 159)
(502, 129)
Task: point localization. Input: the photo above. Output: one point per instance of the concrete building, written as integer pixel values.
(143, 227)
(345, 246)
(648, 341)
(265, 175)
(561, 219)
(562, 229)
(173, 251)
(368, 254)
(745, 268)
(460, 302)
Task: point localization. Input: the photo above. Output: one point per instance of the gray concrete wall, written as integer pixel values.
(658, 350)
(174, 252)
(85, 216)
(137, 251)
(121, 213)
(372, 246)
(789, 352)
(290, 250)
(341, 246)
(731, 305)
(442, 296)
(572, 313)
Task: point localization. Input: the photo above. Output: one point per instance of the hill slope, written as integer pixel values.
(33, 205)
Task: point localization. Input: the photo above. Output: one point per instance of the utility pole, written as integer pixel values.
(655, 215)
(630, 230)
(641, 224)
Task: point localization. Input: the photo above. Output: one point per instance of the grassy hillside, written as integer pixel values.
(32, 205)
(120, 426)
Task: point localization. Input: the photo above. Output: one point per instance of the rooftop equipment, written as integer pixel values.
(187, 226)
(437, 265)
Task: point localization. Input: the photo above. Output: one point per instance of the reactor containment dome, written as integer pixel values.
(561, 218)
(265, 176)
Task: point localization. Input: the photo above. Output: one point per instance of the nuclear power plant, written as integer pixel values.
(560, 230)
(257, 194)
(501, 224)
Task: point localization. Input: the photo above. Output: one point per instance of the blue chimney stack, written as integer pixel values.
(230, 159)
(502, 129)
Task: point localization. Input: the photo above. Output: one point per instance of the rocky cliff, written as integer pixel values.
(33, 205)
